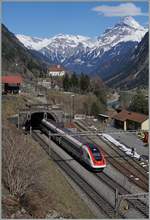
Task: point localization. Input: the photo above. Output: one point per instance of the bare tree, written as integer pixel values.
(19, 163)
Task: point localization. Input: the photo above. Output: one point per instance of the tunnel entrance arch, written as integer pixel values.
(34, 119)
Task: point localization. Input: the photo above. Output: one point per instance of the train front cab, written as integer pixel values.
(95, 158)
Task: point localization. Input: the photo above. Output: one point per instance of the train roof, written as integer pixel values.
(73, 134)
(93, 148)
(78, 139)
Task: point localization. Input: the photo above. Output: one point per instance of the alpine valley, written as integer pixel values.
(106, 55)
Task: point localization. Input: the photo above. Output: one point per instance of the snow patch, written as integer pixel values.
(130, 21)
(127, 150)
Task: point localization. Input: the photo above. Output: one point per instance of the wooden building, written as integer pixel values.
(11, 84)
(131, 120)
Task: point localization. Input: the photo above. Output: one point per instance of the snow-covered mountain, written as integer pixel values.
(59, 40)
(33, 43)
(136, 73)
(80, 53)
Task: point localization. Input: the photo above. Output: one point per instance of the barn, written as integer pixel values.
(11, 84)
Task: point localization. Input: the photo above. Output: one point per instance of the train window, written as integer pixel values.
(97, 156)
(96, 152)
(71, 145)
(88, 156)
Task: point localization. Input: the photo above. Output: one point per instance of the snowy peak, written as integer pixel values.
(71, 37)
(58, 40)
(72, 40)
(130, 21)
(126, 30)
(34, 43)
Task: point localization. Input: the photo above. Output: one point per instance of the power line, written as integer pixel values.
(99, 133)
(119, 198)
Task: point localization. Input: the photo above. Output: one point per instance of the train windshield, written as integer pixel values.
(95, 151)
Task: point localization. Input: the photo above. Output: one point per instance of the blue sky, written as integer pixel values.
(46, 19)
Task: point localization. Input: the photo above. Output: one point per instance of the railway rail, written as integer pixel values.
(124, 165)
(137, 204)
(98, 199)
(144, 170)
(133, 162)
(95, 197)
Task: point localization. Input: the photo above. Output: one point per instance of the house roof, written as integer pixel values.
(55, 68)
(12, 79)
(133, 116)
(70, 125)
(103, 115)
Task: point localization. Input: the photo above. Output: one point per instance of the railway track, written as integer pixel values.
(137, 204)
(98, 199)
(124, 165)
(100, 202)
(133, 162)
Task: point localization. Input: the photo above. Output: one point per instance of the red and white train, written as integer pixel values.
(86, 152)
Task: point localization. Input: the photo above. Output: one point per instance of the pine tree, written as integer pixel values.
(84, 82)
(74, 82)
(66, 82)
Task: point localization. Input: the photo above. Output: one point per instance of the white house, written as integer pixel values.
(56, 70)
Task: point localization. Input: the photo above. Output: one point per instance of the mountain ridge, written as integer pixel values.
(135, 73)
(108, 61)
(16, 58)
(84, 54)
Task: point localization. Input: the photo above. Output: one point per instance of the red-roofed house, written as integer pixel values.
(71, 126)
(56, 70)
(11, 84)
(131, 120)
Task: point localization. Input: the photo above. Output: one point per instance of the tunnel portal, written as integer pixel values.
(35, 118)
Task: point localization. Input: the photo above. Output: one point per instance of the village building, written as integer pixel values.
(71, 126)
(56, 70)
(128, 120)
(45, 83)
(107, 116)
(11, 84)
(103, 118)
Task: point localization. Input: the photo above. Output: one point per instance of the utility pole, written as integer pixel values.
(29, 120)
(70, 109)
(30, 129)
(72, 115)
(18, 120)
(49, 148)
(119, 198)
(45, 115)
(116, 203)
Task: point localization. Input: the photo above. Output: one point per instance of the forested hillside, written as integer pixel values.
(18, 59)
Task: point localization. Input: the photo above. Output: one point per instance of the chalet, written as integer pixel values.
(128, 120)
(56, 70)
(11, 84)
